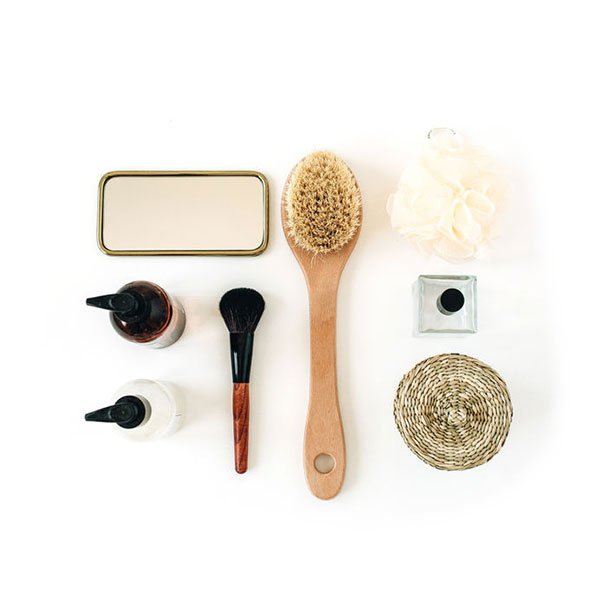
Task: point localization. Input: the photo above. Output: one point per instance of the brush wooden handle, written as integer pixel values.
(241, 413)
(324, 433)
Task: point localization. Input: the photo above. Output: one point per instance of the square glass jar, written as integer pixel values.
(446, 304)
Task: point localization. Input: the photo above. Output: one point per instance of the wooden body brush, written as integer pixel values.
(321, 214)
(241, 309)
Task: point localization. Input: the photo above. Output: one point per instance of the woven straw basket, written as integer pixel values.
(453, 411)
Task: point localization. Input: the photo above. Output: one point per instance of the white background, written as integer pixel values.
(95, 86)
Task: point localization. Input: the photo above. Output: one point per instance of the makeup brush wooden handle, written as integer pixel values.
(241, 413)
(324, 433)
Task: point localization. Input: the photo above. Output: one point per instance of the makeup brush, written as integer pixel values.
(241, 309)
(321, 212)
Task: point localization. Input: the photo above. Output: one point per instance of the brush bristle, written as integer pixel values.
(241, 309)
(323, 203)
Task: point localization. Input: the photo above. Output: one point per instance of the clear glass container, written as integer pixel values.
(446, 304)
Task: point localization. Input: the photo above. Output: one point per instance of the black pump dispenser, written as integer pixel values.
(127, 412)
(128, 306)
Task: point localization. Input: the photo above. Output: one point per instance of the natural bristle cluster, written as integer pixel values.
(241, 309)
(322, 203)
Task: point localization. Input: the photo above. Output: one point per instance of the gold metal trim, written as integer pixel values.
(254, 252)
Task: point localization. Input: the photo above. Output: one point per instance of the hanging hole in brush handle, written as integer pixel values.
(324, 454)
(324, 463)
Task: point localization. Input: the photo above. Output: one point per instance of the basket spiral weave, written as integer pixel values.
(453, 411)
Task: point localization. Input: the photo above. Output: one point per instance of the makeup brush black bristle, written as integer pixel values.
(241, 309)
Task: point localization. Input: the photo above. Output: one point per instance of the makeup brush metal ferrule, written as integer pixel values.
(241, 309)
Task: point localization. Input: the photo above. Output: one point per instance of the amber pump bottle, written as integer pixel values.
(144, 313)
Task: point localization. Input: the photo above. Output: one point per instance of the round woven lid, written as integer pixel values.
(453, 411)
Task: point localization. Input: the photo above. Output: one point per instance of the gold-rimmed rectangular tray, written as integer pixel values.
(183, 213)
